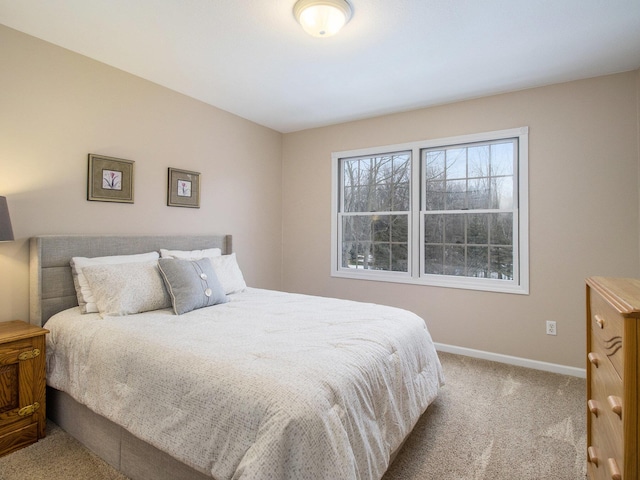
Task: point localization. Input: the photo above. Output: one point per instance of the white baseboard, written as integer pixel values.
(508, 359)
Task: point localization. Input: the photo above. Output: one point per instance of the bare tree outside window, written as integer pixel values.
(375, 205)
(468, 210)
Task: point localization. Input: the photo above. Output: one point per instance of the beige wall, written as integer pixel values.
(583, 171)
(57, 106)
(261, 186)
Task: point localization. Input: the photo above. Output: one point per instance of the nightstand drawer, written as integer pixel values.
(19, 438)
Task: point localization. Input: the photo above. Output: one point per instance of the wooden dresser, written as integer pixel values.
(22, 385)
(613, 386)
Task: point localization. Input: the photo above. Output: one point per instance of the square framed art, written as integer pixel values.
(183, 189)
(110, 179)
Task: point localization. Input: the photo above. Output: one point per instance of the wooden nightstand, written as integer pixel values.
(22, 385)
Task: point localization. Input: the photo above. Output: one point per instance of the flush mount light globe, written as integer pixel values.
(322, 18)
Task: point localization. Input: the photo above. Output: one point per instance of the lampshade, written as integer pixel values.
(6, 232)
(322, 18)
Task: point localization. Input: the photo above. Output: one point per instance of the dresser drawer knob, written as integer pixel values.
(593, 455)
(600, 321)
(593, 407)
(594, 358)
(614, 471)
(616, 404)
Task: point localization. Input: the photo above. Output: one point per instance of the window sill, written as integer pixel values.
(495, 286)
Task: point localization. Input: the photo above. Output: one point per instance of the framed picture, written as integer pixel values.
(184, 188)
(110, 179)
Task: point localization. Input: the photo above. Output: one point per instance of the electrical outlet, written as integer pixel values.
(551, 327)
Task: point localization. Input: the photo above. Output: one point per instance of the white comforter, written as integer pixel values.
(267, 386)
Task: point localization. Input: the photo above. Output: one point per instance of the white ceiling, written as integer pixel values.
(251, 58)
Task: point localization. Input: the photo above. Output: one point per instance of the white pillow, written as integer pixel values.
(190, 254)
(127, 288)
(229, 273)
(86, 300)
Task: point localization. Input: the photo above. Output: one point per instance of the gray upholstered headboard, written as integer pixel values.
(51, 282)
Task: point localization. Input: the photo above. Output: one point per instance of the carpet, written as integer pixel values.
(495, 421)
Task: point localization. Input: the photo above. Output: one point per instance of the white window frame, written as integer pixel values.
(520, 283)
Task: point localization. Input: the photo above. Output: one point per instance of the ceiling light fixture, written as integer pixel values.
(322, 18)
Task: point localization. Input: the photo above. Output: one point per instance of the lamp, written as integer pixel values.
(6, 232)
(322, 18)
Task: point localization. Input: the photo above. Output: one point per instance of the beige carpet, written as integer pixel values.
(494, 421)
(58, 456)
(490, 422)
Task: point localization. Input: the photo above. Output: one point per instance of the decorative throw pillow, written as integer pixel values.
(190, 254)
(229, 273)
(192, 284)
(86, 300)
(127, 288)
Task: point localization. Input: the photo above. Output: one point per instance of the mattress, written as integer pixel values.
(268, 385)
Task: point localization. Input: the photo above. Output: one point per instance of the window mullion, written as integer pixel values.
(416, 234)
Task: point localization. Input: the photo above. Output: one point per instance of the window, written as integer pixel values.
(450, 212)
(376, 202)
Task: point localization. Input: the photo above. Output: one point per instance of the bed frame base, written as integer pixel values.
(126, 453)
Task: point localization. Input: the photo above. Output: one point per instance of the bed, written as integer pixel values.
(263, 384)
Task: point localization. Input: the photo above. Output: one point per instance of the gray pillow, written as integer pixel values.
(191, 284)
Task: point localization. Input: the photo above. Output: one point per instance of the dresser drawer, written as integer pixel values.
(603, 450)
(603, 371)
(607, 328)
(606, 403)
(606, 442)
